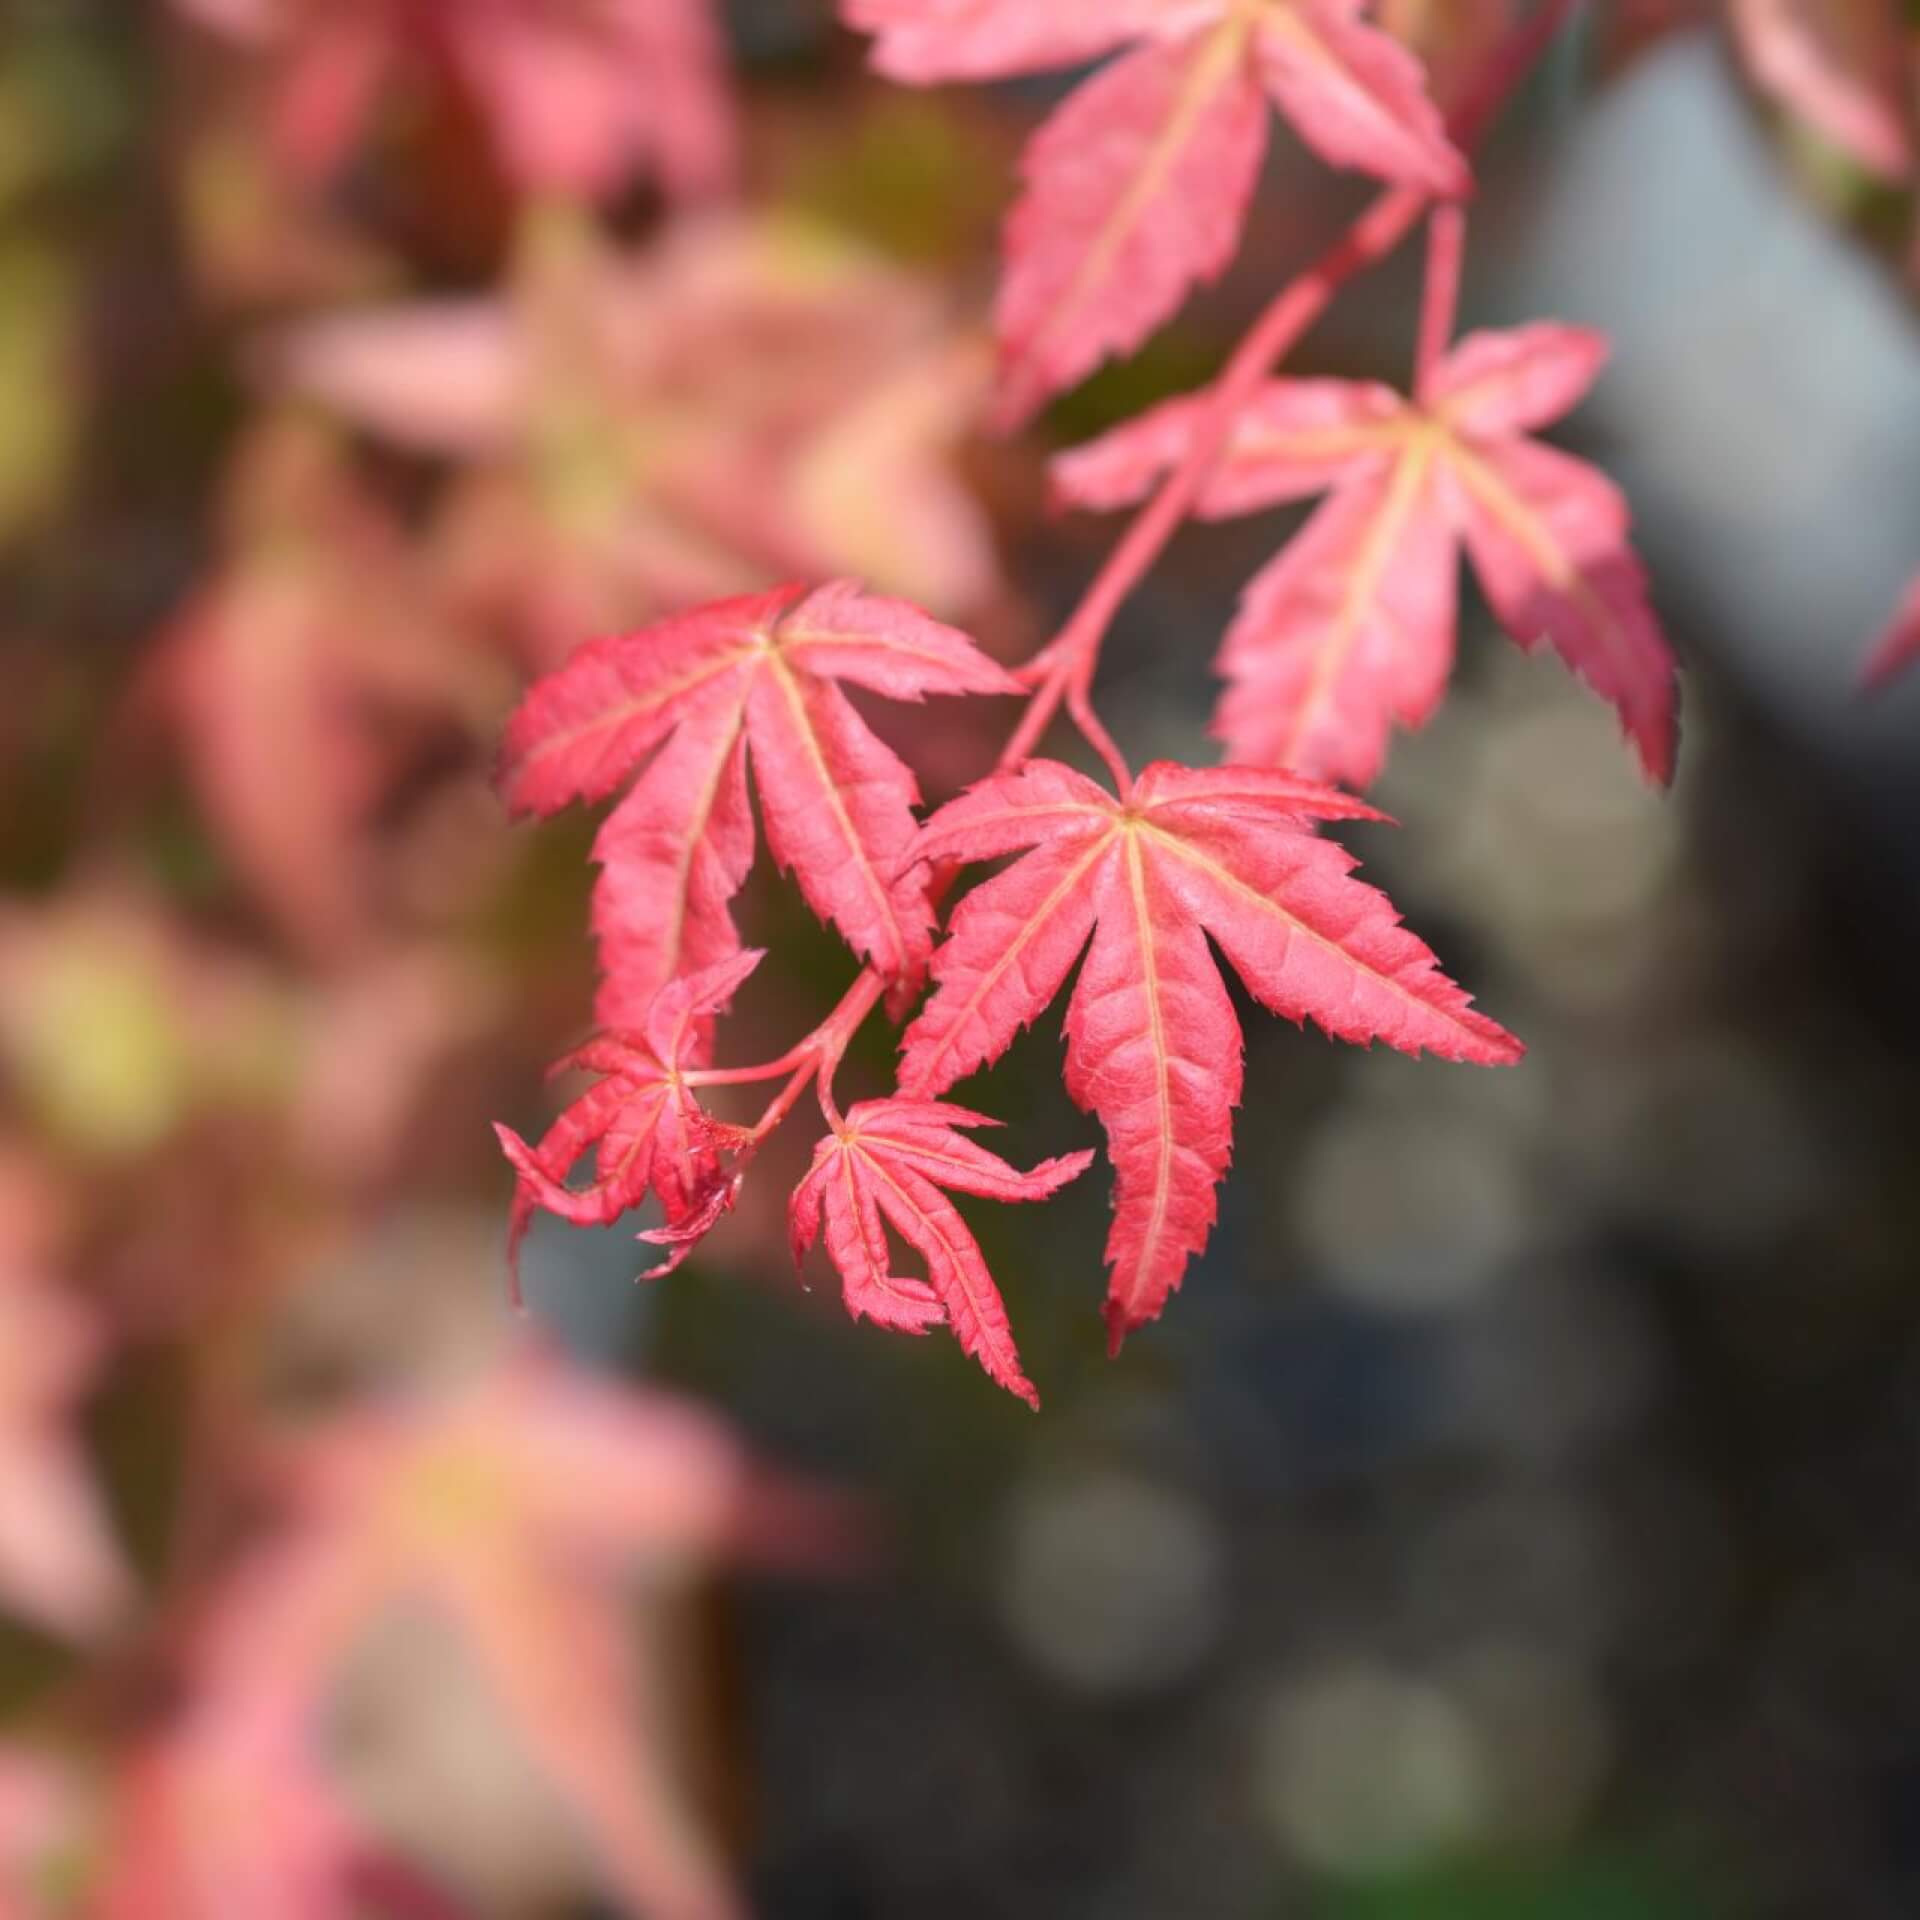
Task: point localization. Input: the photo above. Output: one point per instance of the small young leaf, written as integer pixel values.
(886, 1164)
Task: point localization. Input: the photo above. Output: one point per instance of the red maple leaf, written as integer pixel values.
(885, 1164)
(643, 1124)
(575, 92)
(1153, 1045)
(1351, 629)
(308, 678)
(679, 705)
(1138, 186)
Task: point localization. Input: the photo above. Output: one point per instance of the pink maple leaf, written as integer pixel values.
(303, 678)
(1351, 630)
(1153, 1045)
(885, 1164)
(678, 710)
(517, 1511)
(576, 93)
(1138, 186)
(643, 1123)
(41, 1817)
(59, 1564)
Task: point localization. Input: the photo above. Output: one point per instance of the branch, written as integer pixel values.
(1440, 296)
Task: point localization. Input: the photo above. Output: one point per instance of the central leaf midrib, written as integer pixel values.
(1156, 1027)
(991, 977)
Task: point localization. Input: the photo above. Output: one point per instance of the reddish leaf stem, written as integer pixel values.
(1440, 296)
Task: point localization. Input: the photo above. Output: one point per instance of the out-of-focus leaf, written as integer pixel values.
(1845, 67)
(1350, 630)
(750, 401)
(59, 1563)
(576, 94)
(518, 1510)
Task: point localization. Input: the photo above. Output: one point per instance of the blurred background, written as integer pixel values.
(1517, 1516)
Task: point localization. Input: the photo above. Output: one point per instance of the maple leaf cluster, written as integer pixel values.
(1138, 879)
(1134, 190)
(1138, 187)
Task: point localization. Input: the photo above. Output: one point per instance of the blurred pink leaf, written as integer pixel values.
(1137, 187)
(40, 1817)
(1845, 67)
(577, 94)
(59, 1563)
(746, 402)
(516, 1510)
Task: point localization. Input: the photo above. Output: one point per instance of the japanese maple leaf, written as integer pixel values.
(1899, 647)
(747, 401)
(1845, 67)
(643, 1123)
(1350, 630)
(515, 1510)
(885, 1165)
(1153, 1045)
(1138, 187)
(677, 709)
(574, 92)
